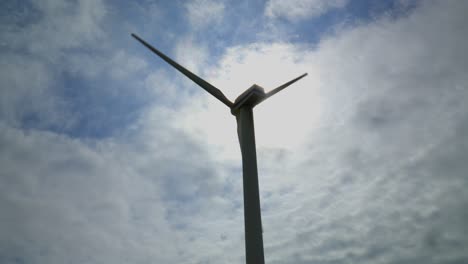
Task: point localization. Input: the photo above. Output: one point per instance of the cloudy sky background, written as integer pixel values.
(108, 155)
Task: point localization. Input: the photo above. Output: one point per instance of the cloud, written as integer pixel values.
(107, 201)
(353, 183)
(77, 71)
(191, 54)
(202, 13)
(382, 105)
(61, 25)
(37, 49)
(391, 104)
(300, 9)
(363, 161)
(131, 198)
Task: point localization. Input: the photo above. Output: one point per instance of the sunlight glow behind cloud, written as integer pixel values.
(270, 65)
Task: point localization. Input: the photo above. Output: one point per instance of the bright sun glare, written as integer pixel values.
(283, 121)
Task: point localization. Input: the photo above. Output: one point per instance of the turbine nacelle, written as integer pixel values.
(250, 97)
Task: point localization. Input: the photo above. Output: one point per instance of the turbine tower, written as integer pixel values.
(242, 110)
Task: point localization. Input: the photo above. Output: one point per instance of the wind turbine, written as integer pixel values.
(242, 110)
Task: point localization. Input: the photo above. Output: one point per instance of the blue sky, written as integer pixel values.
(108, 155)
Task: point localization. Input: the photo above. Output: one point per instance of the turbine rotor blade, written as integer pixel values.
(202, 83)
(276, 90)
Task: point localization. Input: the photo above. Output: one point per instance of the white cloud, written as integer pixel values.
(371, 169)
(16, 88)
(190, 54)
(64, 25)
(392, 98)
(107, 201)
(123, 65)
(58, 44)
(382, 104)
(202, 13)
(37, 49)
(299, 9)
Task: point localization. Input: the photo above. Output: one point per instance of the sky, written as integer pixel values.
(108, 155)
